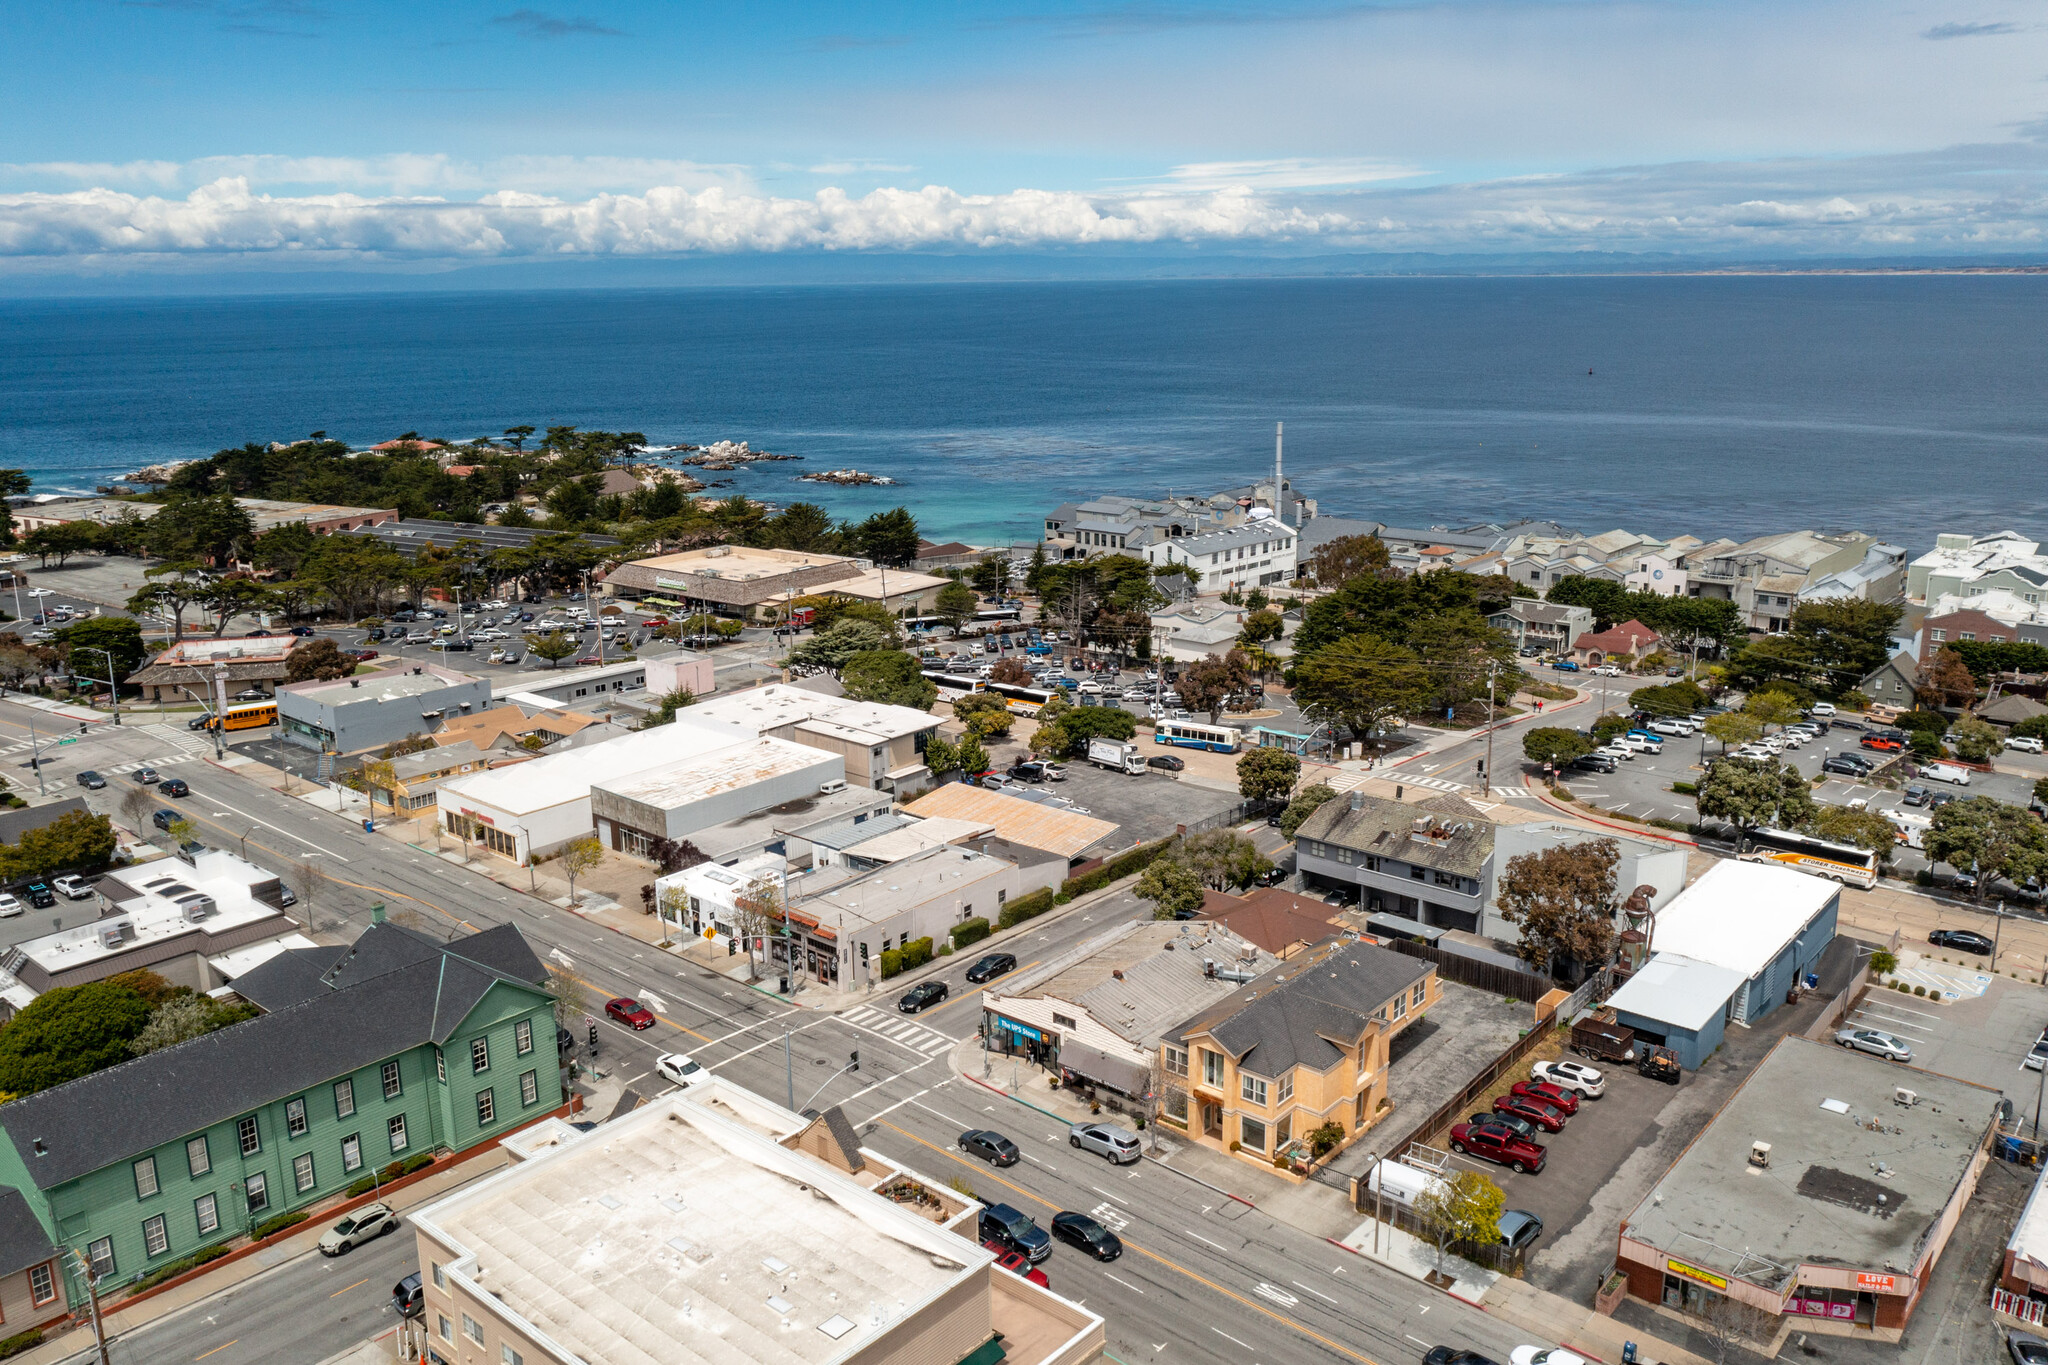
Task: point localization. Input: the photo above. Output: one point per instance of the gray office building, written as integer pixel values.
(354, 715)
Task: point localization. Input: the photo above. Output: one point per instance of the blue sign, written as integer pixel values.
(1021, 1030)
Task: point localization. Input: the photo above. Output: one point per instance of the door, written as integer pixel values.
(1212, 1120)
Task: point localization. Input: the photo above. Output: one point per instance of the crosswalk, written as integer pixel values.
(898, 1029)
(1349, 780)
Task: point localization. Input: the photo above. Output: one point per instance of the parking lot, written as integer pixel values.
(1982, 1035)
(1148, 805)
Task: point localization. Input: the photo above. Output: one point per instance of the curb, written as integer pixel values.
(1644, 830)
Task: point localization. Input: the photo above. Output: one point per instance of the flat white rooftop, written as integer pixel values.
(568, 776)
(672, 785)
(761, 709)
(681, 1234)
(1741, 915)
(162, 900)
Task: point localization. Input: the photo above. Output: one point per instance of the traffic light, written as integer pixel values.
(1479, 766)
(854, 1064)
(593, 1035)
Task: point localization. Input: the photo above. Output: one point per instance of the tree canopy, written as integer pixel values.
(1564, 899)
(890, 676)
(1990, 837)
(1264, 774)
(1752, 793)
(68, 1032)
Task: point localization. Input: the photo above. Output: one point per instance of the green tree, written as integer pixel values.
(972, 757)
(833, 646)
(1734, 729)
(211, 528)
(1260, 627)
(2041, 790)
(1172, 887)
(1362, 682)
(1974, 740)
(1564, 899)
(74, 839)
(1772, 708)
(1674, 699)
(665, 711)
(890, 676)
(991, 574)
(889, 537)
(955, 605)
(941, 755)
(1749, 793)
(984, 713)
(318, 658)
(578, 857)
(167, 594)
(1083, 723)
(13, 483)
(184, 1018)
(1990, 837)
(1948, 682)
(68, 1032)
(553, 646)
(1034, 574)
(1554, 746)
(1608, 600)
(119, 636)
(1264, 774)
(1336, 562)
(229, 598)
(1861, 828)
(63, 540)
(1223, 858)
(1847, 639)
(1464, 1207)
(1209, 684)
(1304, 805)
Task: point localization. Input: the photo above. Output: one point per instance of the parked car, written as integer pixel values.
(1548, 1092)
(1881, 742)
(1079, 1230)
(629, 1012)
(2037, 1055)
(922, 996)
(1514, 1121)
(2024, 743)
(409, 1297)
(1547, 1117)
(10, 906)
(1166, 762)
(990, 1146)
(991, 967)
(1916, 795)
(1584, 1081)
(680, 1068)
(1452, 1355)
(73, 887)
(1565, 666)
(1119, 1145)
(1961, 939)
(1011, 1230)
(163, 819)
(1838, 723)
(367, 1223)
(1946, 772)
(1845, 765)
(1544, 1355)
(1595, 763)
(2026, 1349)
(91, 780)
(174, 786)
(1499, 1143)
(40, 896)
(1518, 1228)
(1876, 1043)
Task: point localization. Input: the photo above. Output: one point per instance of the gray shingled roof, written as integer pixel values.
(301, 973)
(111, 1115)
(15, 823)
(23, 1242)
(1296, 1014)
(1385, 828)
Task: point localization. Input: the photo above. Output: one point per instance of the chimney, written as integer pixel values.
(1118, 973)
(1358, 799)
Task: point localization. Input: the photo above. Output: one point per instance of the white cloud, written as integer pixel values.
(402, 173)
(1287, 173)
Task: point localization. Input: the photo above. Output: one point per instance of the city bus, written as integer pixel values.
(990, 616)
(952, 686)
(1844, 863)
(252, 715)
(1198, 734)
(1025, 701)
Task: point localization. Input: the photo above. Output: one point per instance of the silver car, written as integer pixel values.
(1878, 1044)
(1105, 1139)
(369, 1221)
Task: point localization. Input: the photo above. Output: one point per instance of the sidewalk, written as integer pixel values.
(120, 1321)
(1577, 1326)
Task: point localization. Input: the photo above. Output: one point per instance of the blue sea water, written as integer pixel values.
(1900, 405)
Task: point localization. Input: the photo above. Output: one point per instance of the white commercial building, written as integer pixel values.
(1258, 553)
(676, 800)
(883, 746)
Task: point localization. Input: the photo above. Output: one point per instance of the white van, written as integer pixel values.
(1398, 1183)
(1946, 772)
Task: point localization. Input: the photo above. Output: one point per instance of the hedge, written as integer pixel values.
(1025, 907)
(1123, 865)
(892, 963)
(177, 1267)
(1686, 788)
(390, 1173)
(970, 931)
(916, 953)
(21, 1341)
(277, 1224)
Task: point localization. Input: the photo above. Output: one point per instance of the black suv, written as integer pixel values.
(1593, 763)
(39, 895)
(1004, 1225)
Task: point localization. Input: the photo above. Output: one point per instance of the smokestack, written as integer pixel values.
(1279, 506)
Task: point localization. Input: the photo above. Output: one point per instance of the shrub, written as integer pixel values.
(277, 1224)
(945, 950)
(363, 1186)
(1686, 788)
(1123, 865)
(1322, 1139)
(1884, 962)
(173, 1268)
(1923, 878)
(892, 962)
(1900, 987)
(1025, 907)
(916, 953)
(21, 1341)
(970, 931)
(1919, 990)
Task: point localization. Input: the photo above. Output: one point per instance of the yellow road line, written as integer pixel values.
(1169, 1264)
(657, 1018)
(216, 1350)
(357, 1285)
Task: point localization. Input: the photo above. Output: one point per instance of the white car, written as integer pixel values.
(9, 906)
(1639, 744)
(1091, 688)
(369, 1221)
(1946, 772)
(1878, 1044)
(678, 1067)
(1615, 751)
(1607, 671)
(1576, 1076)
(2026, 744)
(1136, 694)
(1543, 1355)
(73, 888)
(1822, 708)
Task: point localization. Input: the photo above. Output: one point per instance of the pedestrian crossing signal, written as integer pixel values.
(854, 1064)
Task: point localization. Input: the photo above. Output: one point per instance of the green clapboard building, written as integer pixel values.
(396, 1046)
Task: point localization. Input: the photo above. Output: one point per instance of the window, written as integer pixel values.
(1176, 1060)
(522, 1037)
(1941, 635)
(396, 1129)
(1346, 856)
(472, 1329)
(1417, 873)
(1252, 1133)
(258, 1190)
(479, 1056)
(155, 1240)
(1419, 994)
(1062, 1021)
(344, 1099)
(440, 1066)
(1286, 1091)
(1282, 1131)
(295, 1117)
(250, 1134)
(42, 1285)
(1212, 1068)
(447, 1328)
(206, 1212)
(1448, 879)
(1251, 1088)
(197, 1159)
(440, 1276)
(393, 1086)
(302, 1171)
(529, 1088)
(101, 1255)
(486, 1108)
(352, 1152)
(145, 1178)
(1400, 1005)
(508, 1356)
(1966, 635)
(1176, 1103)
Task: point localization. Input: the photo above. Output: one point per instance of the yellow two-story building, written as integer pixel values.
(1304, 1047)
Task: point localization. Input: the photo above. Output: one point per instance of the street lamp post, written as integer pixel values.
(113, 690)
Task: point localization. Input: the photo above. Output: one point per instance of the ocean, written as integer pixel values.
(1901, 405)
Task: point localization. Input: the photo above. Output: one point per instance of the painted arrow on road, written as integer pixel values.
(558, 955)
(653, 1002)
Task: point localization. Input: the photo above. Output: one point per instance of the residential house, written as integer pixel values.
(514, 728)
(1548, 626)
(1893, 682)
(1626, 644)
(33, 1287)
(395, 1046)
(1962, 624)
(2010, 710)
(1964, 565)
(1658, 573)
(1767, 576)
(1275, 920)
(1398, 859)
(1300, 1047)
(1192, 632)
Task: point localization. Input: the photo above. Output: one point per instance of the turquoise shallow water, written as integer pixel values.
(1900, 405)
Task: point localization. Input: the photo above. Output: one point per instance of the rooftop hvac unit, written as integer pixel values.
(718, 552)
(1760, 1154)
(114, 933)
(197, 908)
(1906, 1097)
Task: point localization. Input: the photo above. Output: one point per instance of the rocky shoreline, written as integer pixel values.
(161, 472)
(728, 455)
(844, 477)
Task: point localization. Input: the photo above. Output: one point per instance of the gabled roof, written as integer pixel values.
(1275, 920)
(23, 1242)
(301, 974)
(112, 1115)
(1628, 636)
(1306, 1012)
(1373, 824)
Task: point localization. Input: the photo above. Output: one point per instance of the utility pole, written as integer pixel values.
(1486, 773)
(35, 753)
(220, 706)
(788, 1070)
(92, 1294)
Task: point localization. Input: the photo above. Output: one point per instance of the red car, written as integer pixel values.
(629, 1012)
(361, 655)
(1547, 1117)
(589, 659)
(1498, 1142)
(1018, 1264)
(1881, 742)
(1545, 1092)
(655, 621)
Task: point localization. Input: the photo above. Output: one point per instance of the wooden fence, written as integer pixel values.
(1447, 1113)
(1486, 976)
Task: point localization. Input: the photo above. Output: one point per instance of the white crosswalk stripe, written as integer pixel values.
(899, 1030)
(174, 759)
(1349, 780)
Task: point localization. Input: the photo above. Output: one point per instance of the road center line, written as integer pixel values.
(281, 830)
(339, 1292)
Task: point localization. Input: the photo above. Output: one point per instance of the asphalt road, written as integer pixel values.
(1204, 1278)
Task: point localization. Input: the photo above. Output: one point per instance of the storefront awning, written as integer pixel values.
(1095, 1065)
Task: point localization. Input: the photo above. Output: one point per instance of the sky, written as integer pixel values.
(169, 135)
